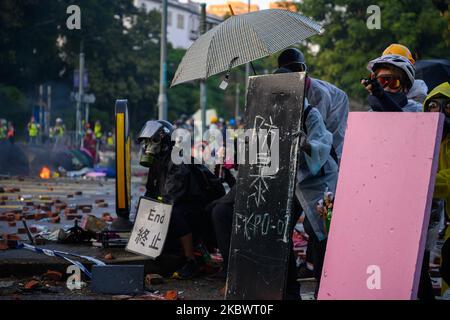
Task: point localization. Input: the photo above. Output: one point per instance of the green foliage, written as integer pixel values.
(347, 44)
(14, 104)
(122, 62)
(37, 48)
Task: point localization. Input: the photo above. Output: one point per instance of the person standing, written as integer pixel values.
(89, 144)
(438, 101)
(110, 140)
(33, 131)
(10, 133)
(59, 131)
(3, 129)
(331, 101)
(98, 130)
(391, 78)
(419, 89)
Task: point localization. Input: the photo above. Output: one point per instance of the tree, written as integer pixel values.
(347, 44)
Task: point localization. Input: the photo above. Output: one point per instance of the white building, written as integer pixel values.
(183, 20)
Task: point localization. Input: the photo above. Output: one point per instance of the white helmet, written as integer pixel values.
(397, 61)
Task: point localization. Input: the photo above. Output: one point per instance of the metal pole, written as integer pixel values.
(49, 109)
(78, 139)
(247, 68)
(162, 98)
(41, 111)
(203, 100)
(238, 91)
(87, 113)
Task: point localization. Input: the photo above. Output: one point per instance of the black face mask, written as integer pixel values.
(399, 98)
(388, 101)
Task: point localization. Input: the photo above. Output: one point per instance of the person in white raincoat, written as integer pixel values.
(317, 172)
(331, 101)
(418, 92)
(332, 104)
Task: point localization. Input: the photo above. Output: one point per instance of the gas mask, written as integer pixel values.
(150, 150)
(154, 139)
(440, 105)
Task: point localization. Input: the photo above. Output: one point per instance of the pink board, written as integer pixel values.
(382, 206)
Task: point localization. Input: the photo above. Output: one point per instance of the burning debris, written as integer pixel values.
(45, 173)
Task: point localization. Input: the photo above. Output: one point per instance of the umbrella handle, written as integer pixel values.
(253, 68)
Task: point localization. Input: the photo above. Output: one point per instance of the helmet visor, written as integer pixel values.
(149, 130)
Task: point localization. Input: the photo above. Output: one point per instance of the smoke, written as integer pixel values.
(13, 159)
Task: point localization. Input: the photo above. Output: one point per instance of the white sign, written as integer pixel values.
(150, 228)
(87, 98)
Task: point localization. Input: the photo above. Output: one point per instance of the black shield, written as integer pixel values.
(261, 234)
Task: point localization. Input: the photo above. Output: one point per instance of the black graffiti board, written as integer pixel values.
(260, 237)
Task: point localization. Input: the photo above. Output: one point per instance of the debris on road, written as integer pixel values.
(171, 295)
(107, 217)
(53, 275)
(93, 224)
(109, 256)
(153, 279)
(122, 297)
(32, 284)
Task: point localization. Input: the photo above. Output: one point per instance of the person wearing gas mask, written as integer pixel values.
(391, 78)
(176, 185)
(438, 101)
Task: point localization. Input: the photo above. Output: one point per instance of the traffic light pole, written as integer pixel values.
(78, 139)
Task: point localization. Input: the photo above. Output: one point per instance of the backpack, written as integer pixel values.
(209, 183)
(306, 111)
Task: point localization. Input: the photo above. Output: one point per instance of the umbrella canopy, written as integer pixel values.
(241, 39)
(433, 72)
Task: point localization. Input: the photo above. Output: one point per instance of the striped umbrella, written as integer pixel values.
(242, 39)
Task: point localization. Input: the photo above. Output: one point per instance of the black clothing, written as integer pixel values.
(177, 185)
(383, 101)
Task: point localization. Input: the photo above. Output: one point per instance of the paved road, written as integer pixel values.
(17, 267)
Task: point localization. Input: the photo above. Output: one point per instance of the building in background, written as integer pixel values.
(239, 7)
(183, 20)
(288, 5)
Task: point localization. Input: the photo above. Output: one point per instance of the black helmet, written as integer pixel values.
(293, 59)
(152, 127)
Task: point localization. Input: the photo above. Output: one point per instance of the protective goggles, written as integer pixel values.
(388, 81)
(438, 105)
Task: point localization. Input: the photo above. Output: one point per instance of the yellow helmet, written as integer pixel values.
(400, 50)
(441, 90)
(214, 119)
